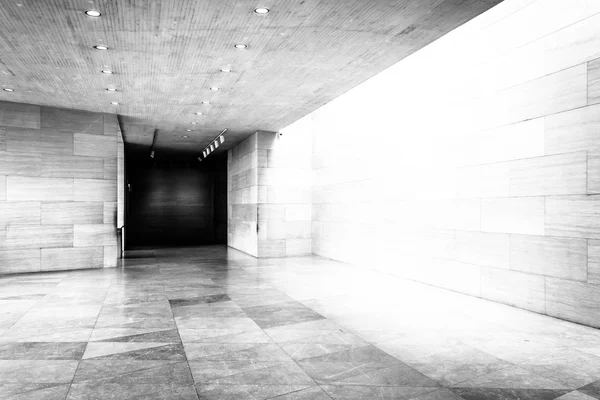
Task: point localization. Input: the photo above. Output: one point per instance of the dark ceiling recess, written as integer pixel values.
(164, 56)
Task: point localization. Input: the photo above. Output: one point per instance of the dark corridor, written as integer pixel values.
(176, 203)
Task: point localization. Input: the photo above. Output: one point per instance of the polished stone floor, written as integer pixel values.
(213, 323)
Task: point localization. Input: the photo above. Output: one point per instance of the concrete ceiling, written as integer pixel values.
(166, 54)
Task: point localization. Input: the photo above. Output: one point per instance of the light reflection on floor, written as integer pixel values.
(214, 323)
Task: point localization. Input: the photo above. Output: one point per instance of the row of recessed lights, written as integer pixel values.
(101, 47)
(241, 46)
(98, 14)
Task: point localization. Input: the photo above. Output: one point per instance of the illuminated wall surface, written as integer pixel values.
(61, 188)
(269, 195)
(474, 164)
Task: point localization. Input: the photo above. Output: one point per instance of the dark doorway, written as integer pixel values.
(176, 203)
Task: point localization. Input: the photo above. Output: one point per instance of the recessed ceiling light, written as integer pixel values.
(206, 102)
(193, 123)
(241, 46)
(9, 90)
(225, 69)
(184, 136)
(93, 13)
(111, 89)
(101, 47)
(261, 10)
(107, 72)
(188, 130)
(214, 89)
(198, 113)
(114, 103)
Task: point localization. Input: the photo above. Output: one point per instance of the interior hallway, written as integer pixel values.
(214, 323)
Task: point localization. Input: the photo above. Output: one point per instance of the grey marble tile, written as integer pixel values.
(356, 355)
(269, 316)
(314, 393)
(284, 373)
(245, 392)
(193, 322)
(375, 392)
(30, 371)
(210, 370)
(224, 336)
(33, 391)
(366, 373)
(126, 335)
(593, 389)
(235, 351)
(134, 371)
(508, 394)
(118, 391)
(209, 312)
(449, 374)
(134, 351)
(194, 301)
(42, 351)
(513, 377)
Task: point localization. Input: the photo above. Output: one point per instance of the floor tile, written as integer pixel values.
(134, 351)
(135, 335)
(513, 378)
(208, 370)
(28, 371)
(508, 394)
(35, 391)
(288, 313)
(42, 351)
(245, 392)
(235, 351)
(213, 323)
(134, 371)
(122, 391)
(375, 392)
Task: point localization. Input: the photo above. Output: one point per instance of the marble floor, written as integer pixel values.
(214, 323)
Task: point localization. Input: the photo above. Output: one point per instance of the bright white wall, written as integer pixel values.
(473, 164)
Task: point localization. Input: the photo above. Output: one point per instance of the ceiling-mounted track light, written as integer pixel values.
(154, 138)
(214, 144)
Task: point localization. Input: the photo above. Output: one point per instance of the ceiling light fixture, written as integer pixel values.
(262, 10)
(212, 146)
(8, 90)
(214, 89)
(93, 13)
(107, 72)
(184, 136)
(206, 102)
(198, 113)
(101, 47)
(241, 46)
(114, 103)
(225, 69)
(111, 89)
(188, 130)
(193, 122)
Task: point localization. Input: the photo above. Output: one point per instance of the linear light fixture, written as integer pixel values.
(154, 138)
(218, 140)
